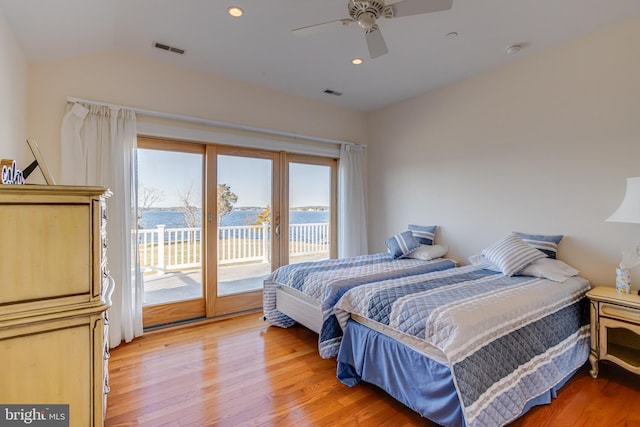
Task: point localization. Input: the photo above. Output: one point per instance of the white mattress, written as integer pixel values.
(300, 307)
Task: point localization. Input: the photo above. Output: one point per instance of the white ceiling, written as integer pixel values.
(260, 48)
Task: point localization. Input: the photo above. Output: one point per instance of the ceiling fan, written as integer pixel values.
(366, 12)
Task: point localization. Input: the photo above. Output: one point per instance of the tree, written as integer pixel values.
(264, 216)
(189, 210)
(147, 197)
(226, 200)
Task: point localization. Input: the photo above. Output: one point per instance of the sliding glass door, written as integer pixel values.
(246, 236)
(170, 230)
(311, 208)
(215, 221)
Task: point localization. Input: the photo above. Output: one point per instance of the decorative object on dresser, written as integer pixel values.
(615, 329)
(54, 292)
(38, 162)
(10, 172)
(628, 211)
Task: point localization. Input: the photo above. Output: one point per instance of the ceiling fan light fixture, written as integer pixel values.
(367, 20)
(235, 11)
(366, 12)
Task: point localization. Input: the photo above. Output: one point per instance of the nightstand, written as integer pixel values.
(615, 329)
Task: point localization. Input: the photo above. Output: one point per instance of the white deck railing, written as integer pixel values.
(164, 249)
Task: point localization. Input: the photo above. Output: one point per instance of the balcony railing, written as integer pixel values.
(163, 249)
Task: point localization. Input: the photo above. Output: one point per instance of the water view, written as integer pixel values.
(173, 218)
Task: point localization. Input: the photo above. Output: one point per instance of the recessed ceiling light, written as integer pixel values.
(451, 35)
(235, 11)
(356, 61)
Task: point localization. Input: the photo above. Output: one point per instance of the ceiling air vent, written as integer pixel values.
(332, 92)
(169, 48)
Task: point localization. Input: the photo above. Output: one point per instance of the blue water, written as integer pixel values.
(175, 219)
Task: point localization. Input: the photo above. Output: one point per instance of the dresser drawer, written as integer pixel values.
(49, 363)
(614, 311)
(48, 245)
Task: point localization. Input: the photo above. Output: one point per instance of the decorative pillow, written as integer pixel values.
(552, 269)
(511, 254)
(547, 244)
(481, 261)
(429, 252)
(425, 235)
(401, 245)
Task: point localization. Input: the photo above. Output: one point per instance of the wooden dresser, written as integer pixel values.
(54, 292)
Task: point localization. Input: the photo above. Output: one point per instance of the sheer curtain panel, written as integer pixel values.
(352, 221)
(98, 146)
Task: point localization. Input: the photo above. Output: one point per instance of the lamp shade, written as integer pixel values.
(629, 209)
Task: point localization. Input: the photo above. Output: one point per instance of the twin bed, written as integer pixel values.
(477, 345)
(307, 292)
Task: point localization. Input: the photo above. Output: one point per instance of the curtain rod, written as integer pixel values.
(217, 123)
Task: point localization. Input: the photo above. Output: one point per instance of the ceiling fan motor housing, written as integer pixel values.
(365, 13)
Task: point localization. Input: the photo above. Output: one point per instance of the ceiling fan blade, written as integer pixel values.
(375, 43)
(417, 7)
(315, 28)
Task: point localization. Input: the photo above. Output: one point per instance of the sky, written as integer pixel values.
(249, 178)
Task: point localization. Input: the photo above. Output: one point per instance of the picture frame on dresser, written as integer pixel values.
(39, 161)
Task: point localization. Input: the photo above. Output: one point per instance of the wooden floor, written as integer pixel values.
(240, 372)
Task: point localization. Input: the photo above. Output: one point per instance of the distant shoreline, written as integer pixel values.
(174, 217)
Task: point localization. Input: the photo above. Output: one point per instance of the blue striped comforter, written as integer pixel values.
(505, 339)
(327, 281)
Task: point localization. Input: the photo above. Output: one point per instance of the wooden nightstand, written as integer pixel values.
(615, 329)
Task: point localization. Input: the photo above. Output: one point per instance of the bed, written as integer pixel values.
(307, 292)
(467, 346)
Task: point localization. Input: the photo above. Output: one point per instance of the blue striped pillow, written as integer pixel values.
(511, 254)
(547, 244)
(425, 235)
(401, 245)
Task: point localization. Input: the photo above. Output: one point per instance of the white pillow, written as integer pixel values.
(510, 254)
(428, 252)
(552, 269)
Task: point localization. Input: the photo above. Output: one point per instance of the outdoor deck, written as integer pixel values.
(187, 284)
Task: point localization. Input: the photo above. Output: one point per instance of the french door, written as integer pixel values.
(215, 221)
(170, 230)
(310, 204)
(244, 238)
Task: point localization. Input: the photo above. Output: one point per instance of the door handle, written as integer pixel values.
(278, 231)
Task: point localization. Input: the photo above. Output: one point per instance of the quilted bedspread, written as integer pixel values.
(506, 339)
(326, 281)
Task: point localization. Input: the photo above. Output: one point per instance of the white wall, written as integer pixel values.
(542, 145)
(123, 79)
(13, 99)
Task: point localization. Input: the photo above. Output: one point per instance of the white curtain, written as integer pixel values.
(99, 148)
(352, 220)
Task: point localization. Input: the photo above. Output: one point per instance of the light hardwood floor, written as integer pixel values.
(241, 372)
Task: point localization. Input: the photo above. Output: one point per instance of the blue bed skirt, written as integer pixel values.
(417, 381)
